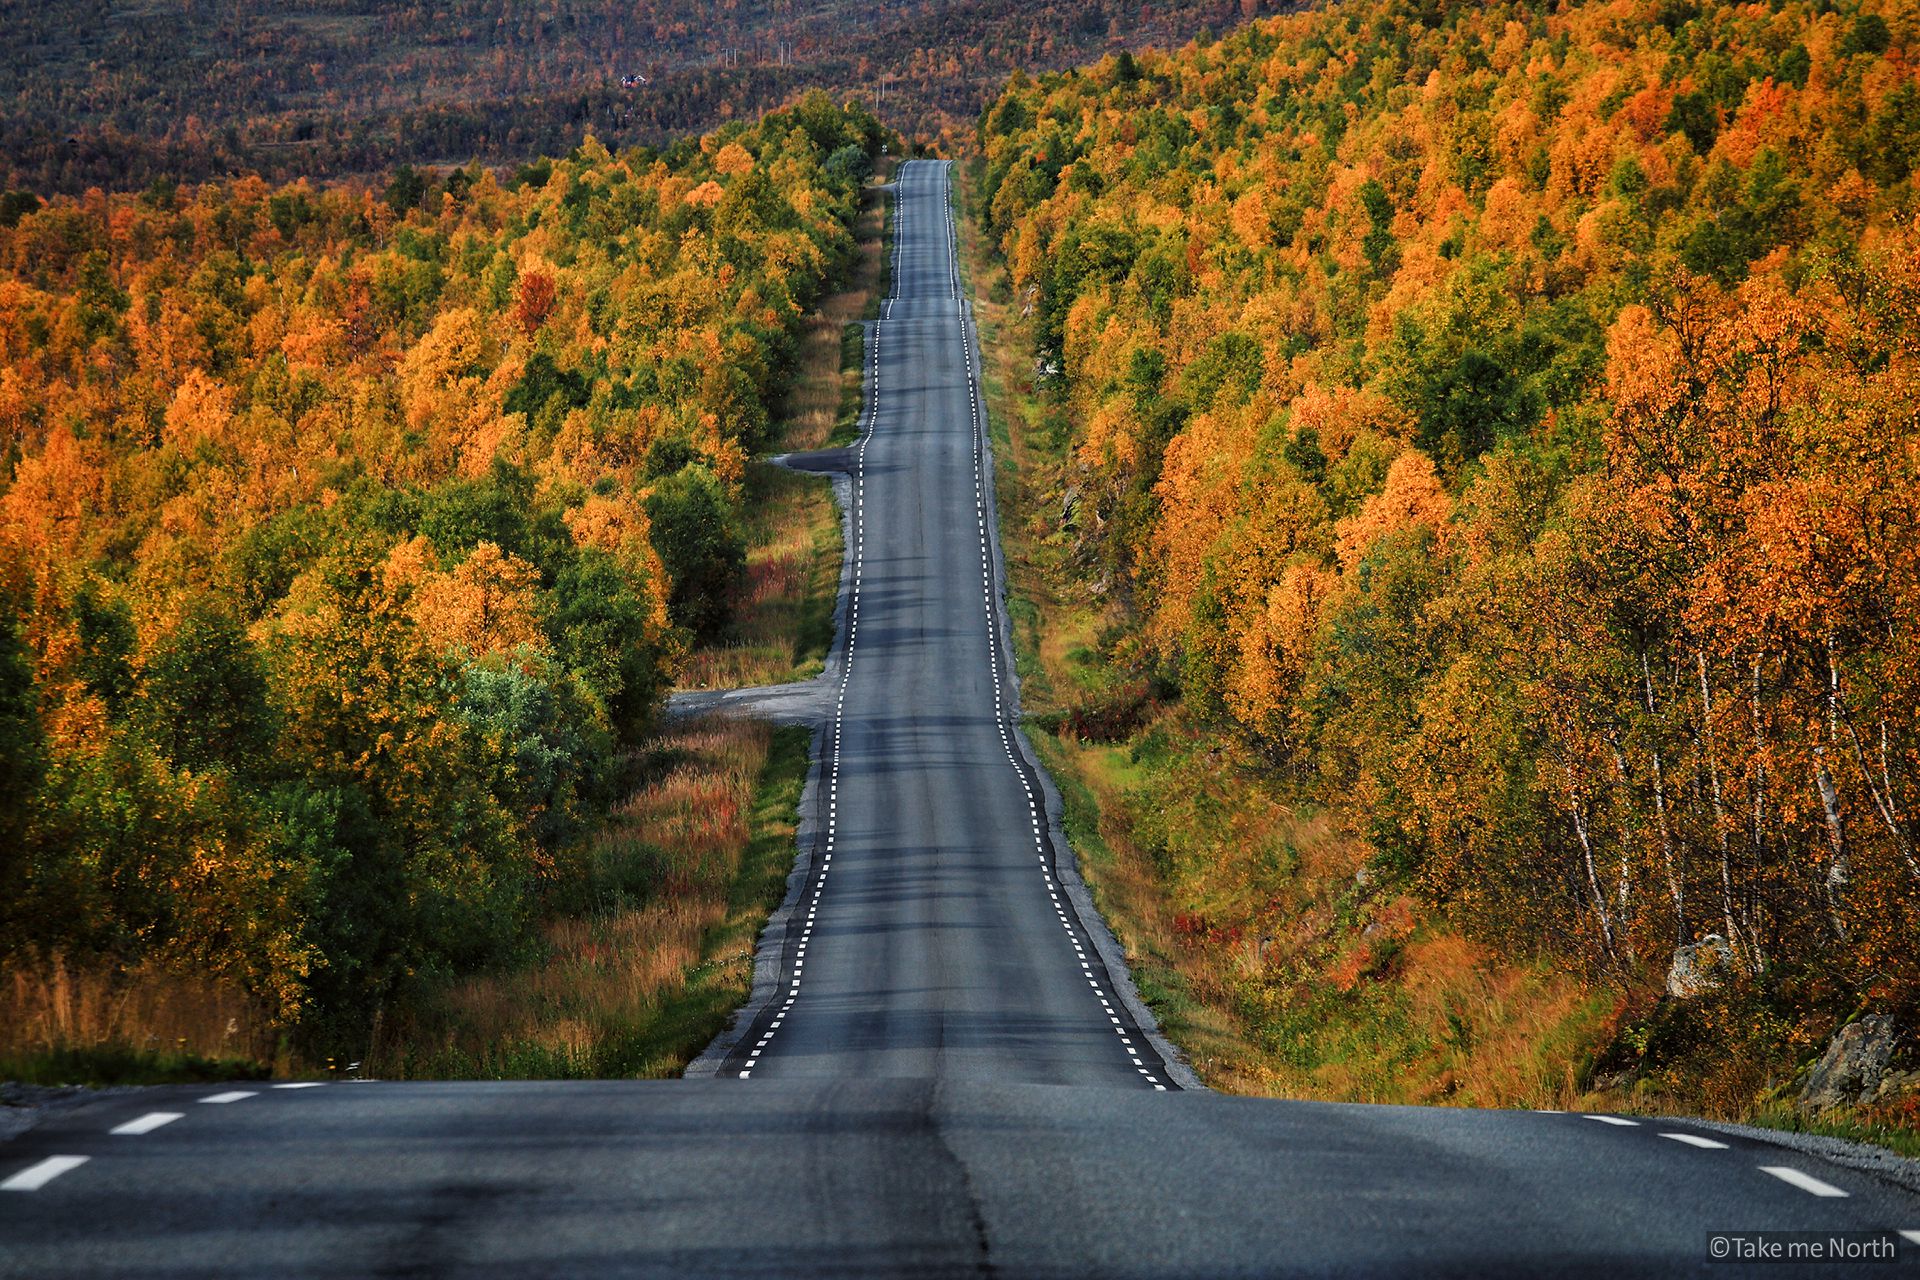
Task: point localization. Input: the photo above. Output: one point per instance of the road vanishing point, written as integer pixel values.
(944, 1069)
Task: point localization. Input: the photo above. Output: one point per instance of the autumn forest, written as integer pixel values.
(1501, 423)
(1467, 459)
(353, 533)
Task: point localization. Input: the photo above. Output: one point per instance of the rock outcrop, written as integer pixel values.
(1699, 966)
(1854, 1065)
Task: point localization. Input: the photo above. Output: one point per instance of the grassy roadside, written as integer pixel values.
(638, 990)
(1051, 618)
(877, 266)
(814, 406)
(682, 879)
(853, 350)
(783, 618)
(678, 884)
(1056, 622)
(119, 1064)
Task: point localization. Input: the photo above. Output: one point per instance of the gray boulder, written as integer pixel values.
(1853, 1066)
(1699, 966)
(1897, 1084)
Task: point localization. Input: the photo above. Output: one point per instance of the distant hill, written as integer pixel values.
(116, 94)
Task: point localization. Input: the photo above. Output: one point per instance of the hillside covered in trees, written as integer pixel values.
(116, 95)
(348, 535)
(1504, 422)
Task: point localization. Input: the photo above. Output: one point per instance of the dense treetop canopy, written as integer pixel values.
(334, 565)
(1507, 417)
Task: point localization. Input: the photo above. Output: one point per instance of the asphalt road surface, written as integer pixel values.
(944, 1069)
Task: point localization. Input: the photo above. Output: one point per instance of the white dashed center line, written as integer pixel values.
(1695, 1140)
(1622, 1121)
(146, 1123)
(36, 1176)
(232, 1095)
(1805, 1181)
(1001, 706)
(837, 737)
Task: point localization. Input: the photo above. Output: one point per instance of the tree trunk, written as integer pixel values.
(1758, 846)
(1624, 891)
(1881, 791)
(1675, 889)
(1839, 870)
(1593, 878)
(1734, 938)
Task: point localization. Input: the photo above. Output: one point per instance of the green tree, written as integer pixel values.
(105, 661)
(552, 761)
(601, 632)
(701, 546)
(22, 764)
(203, 696)
(356, 905)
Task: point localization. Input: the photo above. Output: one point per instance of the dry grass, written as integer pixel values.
(601, 978)
(1186, 987)
(783, 621)
(77, 1022)
(812, 407)
(687, 870)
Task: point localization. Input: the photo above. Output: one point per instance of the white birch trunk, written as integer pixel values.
(1734, 934)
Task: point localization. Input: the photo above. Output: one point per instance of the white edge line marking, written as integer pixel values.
(871, 411)
(1622, 1121)
(36, 1176)
(146, 1123)
(968, 337)
(1695, 1140)
(980, 444)
(232, 1095)
(1805, 1181)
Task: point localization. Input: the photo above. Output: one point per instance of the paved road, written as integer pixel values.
(943, 1070)
(937, 933)
(863, 1176)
